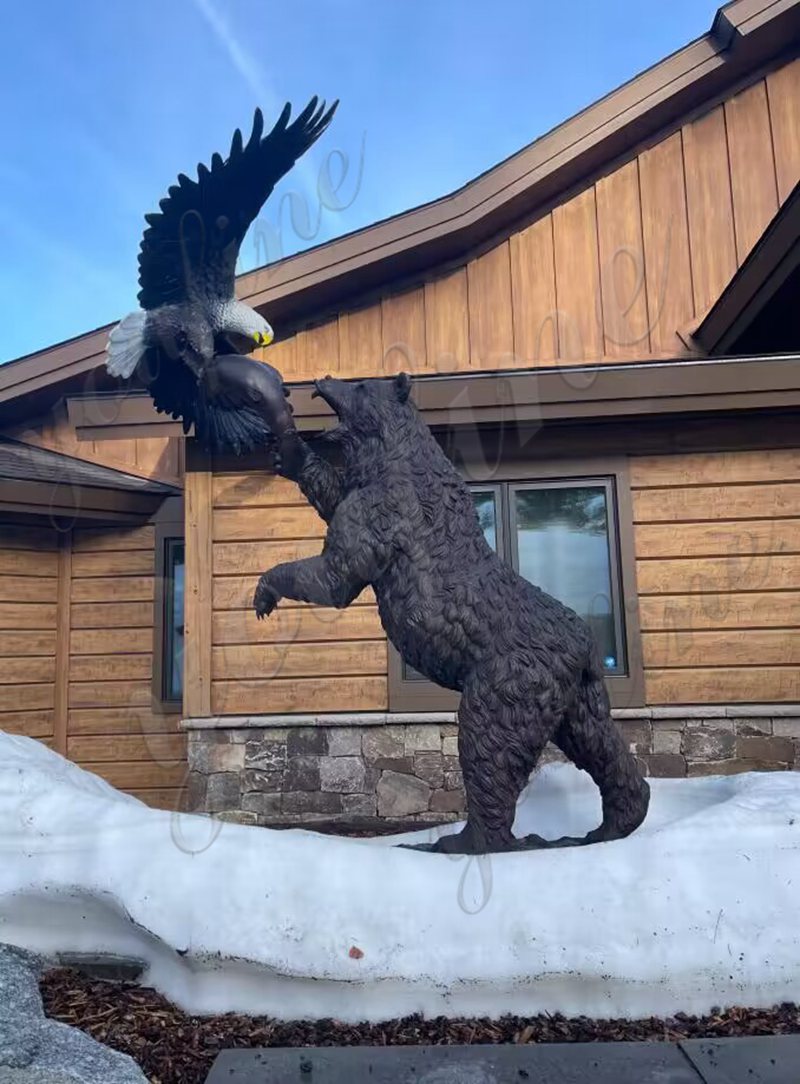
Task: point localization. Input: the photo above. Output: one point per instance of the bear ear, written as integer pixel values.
(402, 386)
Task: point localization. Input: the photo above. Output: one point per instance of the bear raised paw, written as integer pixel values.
(401, 520)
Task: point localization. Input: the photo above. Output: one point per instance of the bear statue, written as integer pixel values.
(401, 519)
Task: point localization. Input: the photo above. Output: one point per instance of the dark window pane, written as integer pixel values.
(173, 637)
(563, 547)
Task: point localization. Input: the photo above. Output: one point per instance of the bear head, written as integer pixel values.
(366, 408)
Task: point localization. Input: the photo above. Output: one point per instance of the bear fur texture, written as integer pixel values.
(401, 519)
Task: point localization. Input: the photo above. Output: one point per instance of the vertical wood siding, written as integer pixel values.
(611, 274)
(717, 541)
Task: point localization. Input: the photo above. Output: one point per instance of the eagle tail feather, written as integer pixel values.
(126, 345)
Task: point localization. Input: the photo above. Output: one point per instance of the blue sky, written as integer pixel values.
(104, 103)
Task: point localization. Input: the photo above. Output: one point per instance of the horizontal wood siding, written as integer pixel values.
(302, 658)
(717, 540)
(611, 274)
(160, 458)
(28, 629)
(114, 727)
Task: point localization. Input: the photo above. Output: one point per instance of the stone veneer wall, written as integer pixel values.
(378, 772)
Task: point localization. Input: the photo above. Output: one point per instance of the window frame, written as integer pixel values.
(169, 529)
(626, 690)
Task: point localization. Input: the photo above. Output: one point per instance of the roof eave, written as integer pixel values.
(745, 35)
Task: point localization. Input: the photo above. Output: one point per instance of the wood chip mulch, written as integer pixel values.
(175, 1048)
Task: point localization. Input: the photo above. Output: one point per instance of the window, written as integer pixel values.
(170, 554)
(563, 538)
(561, 533)
(174, 568)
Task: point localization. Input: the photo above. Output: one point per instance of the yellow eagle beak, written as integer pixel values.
(263, 338)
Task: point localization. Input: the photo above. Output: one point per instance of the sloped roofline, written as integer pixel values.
(769, 264)
(744, 36)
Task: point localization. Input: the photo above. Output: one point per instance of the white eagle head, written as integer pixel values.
(242, 327)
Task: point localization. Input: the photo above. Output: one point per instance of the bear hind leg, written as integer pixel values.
(498, 752)
(593, 742)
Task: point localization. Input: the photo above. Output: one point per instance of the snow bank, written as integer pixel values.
(698, 908)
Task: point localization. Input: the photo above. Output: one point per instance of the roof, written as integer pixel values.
(758, 307)
(24, 462)
(37, 482)
(744, 36)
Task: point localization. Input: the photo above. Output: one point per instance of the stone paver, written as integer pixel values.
(573, 1063)
(767, 1060)
(758, 1060)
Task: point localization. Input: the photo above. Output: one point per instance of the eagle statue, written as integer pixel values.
(186, 341)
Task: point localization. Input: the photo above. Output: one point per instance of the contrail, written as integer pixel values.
(251, 75)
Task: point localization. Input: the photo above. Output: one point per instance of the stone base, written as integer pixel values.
(381, 773)
(365, 777)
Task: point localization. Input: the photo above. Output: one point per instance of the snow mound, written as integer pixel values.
(697, 909)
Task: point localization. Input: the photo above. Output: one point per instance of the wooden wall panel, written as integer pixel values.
(403, 333)
(708, 195)
(197, 597)
(447, 323)
(623, 282)
(115, 727)
(580, 320)
(301, 658)
(717, 502)
(148, 457)
(717, 542)
(236, 592)
(723, 685)
(253, 558)
(619, 271)
(317, 352)
(716, 468)
(754, 609)
(533, 292)
(783, 91)
(491, 325)
(254, 489)
(755, 193)
(360, 343)
(299, 695)
(29, 611)
(294, 659)
(718, 538)
(722, 647)
(243, 524)
(297, 624)
(665, 234)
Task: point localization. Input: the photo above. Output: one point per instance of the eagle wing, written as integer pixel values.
(238, 406)
(190, 247)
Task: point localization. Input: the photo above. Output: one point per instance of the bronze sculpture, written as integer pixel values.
(401, 519)
(184, 342)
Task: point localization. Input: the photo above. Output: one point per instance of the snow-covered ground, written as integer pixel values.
(698, 908)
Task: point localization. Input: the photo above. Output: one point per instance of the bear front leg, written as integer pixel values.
(317, 580)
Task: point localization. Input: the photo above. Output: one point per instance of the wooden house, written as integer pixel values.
(605, 337)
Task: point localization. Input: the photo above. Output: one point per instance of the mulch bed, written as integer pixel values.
(175, 1048)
